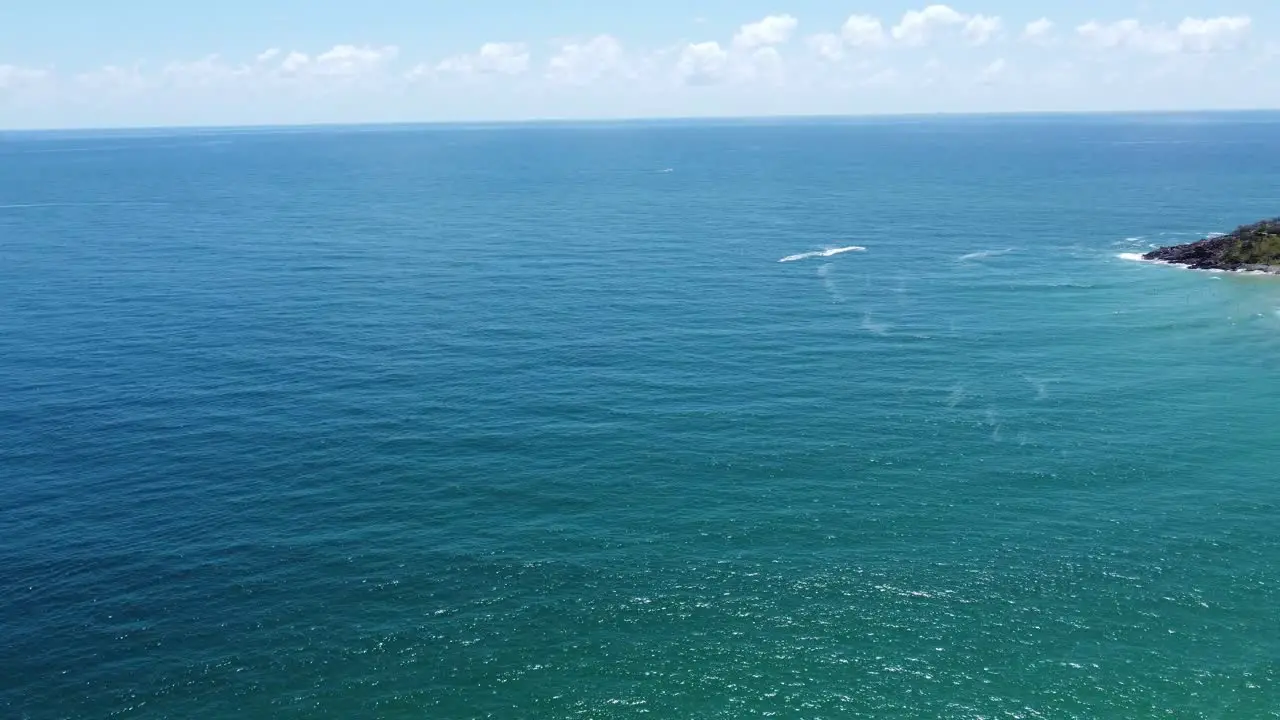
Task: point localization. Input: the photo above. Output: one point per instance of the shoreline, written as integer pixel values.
(1271, 270)
(1249, 249)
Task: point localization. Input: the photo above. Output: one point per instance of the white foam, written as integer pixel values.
(842, 250)
(823, 253)
(984, 254)
(1136, 257)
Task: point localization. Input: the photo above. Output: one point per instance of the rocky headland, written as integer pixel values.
(1253, 247)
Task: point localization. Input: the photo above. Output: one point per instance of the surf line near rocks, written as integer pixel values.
(823, 253)
(1248, 248)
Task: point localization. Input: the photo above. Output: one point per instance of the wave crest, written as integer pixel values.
(823, 253)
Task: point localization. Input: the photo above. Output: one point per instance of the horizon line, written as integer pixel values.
(533, 121)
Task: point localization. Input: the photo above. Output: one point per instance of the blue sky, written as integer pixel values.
(76, 63)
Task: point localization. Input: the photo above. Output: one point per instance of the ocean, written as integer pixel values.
(529, 421)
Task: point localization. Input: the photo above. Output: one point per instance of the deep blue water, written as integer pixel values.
(456, 422)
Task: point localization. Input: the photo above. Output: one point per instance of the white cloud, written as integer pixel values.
(14, 76)
(1221, 33)
(917, 26)
(580, 64)
(206, 72)
(709, 63)
(341, 64)
(1194, 35)
(773, 30)
(294, 62)
(703, 64)
(1037, 30)
(981, 28)
(1125, 34)
(494, 58)
(863, 31)
(827, 46)
(114, 79)
(351, 60)
(760, 67)
(858, 31)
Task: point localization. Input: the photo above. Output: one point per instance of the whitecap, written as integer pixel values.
(1135, 257)
(983, 254)
(823, 253)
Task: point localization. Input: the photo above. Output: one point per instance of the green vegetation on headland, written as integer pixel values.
(1250, 247)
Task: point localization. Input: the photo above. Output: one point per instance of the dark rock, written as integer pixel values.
(1250, 247)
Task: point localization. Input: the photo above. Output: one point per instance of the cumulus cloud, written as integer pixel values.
(917, 26)
(582, 75)
(1214, 34)
(1194, 35)
(1037, 30)
(979, 29)
(703, 63)
(345, 64)
(1124, 33)
(494, 58)
(863, 31)
(338, 61)
(294, 62)
(584, 63)
(773, 30)
(351, 60)
(857, 32)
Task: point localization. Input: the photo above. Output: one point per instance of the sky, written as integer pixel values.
(132, 63)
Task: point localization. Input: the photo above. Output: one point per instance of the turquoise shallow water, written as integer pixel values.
(531, 422)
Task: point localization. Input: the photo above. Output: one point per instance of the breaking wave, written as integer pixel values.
(983, 254)
(823, 253)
